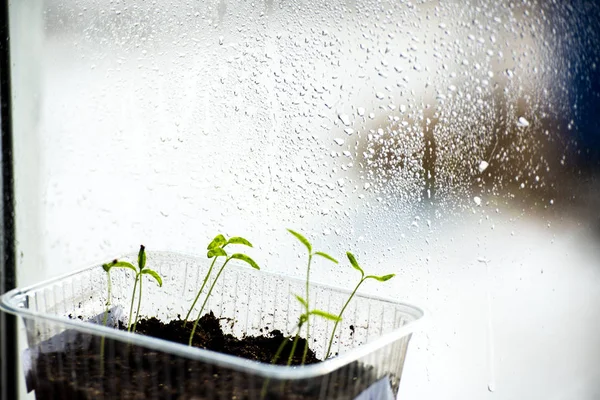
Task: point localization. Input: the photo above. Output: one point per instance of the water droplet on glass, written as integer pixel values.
(345, 119)
(477, 200)
(340, 182)
(522, 122)
(221, 40)
(379, 95)
(339, 141)
(349, 131)
(360, 111)
(483, 165)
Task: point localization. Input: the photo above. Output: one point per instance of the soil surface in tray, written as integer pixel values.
(210, 336)
(127, 371)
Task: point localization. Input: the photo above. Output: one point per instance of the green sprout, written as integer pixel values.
(304, 317)
(301, 321)
(139, 272)
(122, 264)
(107, 268)
(306, 303)
(355, 265)
(216, 250)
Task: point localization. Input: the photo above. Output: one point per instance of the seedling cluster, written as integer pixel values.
(216, 250)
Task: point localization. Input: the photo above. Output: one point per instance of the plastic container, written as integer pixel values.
(60, 317)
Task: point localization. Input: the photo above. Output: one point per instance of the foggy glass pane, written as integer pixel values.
(452, 143)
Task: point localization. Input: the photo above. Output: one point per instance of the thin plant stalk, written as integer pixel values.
(206, 301)
(215, 249)
(306, 303)
(104, 322)
(305, 352)
(132, 301)
(294, 345)
(340, 316)
(363, 278)
(137, 312)
(200, 291)
(263, 392)
(282, 346)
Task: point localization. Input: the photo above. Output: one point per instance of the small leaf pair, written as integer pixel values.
(354, 264)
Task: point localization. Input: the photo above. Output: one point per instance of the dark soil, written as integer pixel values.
(210, 336)
(128, 371)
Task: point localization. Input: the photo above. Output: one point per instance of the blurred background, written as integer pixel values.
(453, 143)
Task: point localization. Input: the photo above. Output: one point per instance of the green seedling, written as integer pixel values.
(304, 317)
(218, 242)
(107, 268)
(215, 250)
(139, 272)
(306, 303)
(363, 278)
(122, 264)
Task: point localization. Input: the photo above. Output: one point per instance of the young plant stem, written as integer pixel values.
(132, 301)
(306, 302)
(340, 316)
(200, 291)
(104, 321)
(307, 307)
(285, 341)
(282, 346)
(363, 278)
(206, 300)
(294, 345)
(137, 313)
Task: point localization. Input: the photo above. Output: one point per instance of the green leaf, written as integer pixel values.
(142, 257)
(243, 257)
(106, 267)
(301, 239)
(216, 252)
(301, 300)
(354, 262)
(327, 256)
(153, 274)
(326, 315)
(382, 278)
(123, 264)
(239, 240)
(218, 241)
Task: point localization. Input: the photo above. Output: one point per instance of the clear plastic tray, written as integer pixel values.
(371, 340)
